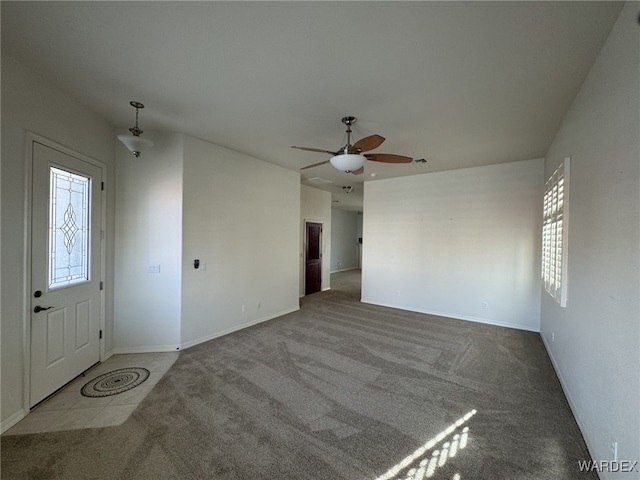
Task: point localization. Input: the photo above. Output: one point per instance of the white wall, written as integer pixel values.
(462, 243)
(344, 239)
(241, 220)
(596, 350)
(31, 104)
(149, 232)
(315, 206)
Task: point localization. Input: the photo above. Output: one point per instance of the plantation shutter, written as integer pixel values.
(554, 233)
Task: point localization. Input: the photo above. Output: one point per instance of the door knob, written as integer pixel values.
(38, 308)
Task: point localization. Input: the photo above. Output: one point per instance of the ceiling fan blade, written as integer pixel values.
(315, 165)
(388, 158)
(368, 143)
(315, 150)
(359, 171)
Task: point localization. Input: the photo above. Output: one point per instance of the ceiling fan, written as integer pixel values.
(350, 158)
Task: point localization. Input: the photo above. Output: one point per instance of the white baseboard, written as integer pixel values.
(570, 400)
(11, 421)
(146, 349)
(344, 270)
(454, 315)
(236, 328)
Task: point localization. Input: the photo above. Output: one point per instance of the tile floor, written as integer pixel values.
(69, 410)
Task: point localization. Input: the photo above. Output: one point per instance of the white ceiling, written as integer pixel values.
(458, 83)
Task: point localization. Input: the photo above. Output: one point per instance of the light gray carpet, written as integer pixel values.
(338, 390)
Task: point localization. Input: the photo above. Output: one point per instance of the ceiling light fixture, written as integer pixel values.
(347, 162)
(134, 142)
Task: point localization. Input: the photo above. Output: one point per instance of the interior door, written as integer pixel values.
(65, 269)
(313, 258)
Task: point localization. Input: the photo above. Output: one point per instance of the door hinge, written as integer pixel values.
(102, 186)
(101, 285)
(100, 334)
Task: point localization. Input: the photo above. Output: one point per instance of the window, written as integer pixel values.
(554, 233)
(68, 228)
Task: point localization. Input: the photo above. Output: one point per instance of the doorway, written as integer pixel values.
(313, 257)
(66, 283)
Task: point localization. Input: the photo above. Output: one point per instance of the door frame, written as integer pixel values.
(32, 138)
(304, 253)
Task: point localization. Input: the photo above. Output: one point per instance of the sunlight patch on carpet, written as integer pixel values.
(428, 465)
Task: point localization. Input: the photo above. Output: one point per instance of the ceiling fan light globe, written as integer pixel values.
(135, 144)
(347, 162)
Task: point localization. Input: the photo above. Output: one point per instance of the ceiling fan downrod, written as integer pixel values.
(348, 121)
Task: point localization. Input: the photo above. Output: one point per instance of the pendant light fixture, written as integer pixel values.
(134, 142)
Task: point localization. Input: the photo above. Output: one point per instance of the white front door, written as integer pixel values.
(65, 269)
